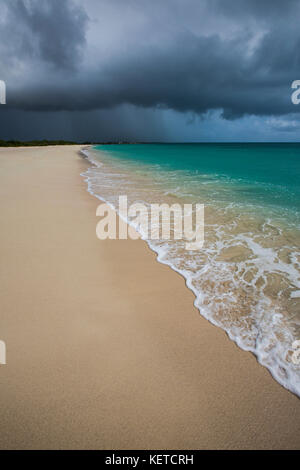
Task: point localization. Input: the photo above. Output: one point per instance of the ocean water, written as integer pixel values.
(246, 278)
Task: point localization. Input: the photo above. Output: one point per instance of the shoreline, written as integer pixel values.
(104, 346)
(274, 369)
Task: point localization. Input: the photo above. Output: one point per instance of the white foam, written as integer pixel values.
(268, 323)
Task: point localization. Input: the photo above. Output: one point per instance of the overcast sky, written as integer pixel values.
(163, 70)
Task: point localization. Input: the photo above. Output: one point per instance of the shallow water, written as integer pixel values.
(246, 278)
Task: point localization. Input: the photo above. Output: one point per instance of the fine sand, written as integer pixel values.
(104, 347)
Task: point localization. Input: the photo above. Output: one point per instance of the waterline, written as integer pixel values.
(246, 277)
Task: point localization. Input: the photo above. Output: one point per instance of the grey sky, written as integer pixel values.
(150, 70)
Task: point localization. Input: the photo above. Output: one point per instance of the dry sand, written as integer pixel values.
(104, 347)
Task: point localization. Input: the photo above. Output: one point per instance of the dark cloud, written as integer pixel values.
(239, 57)
(50, 30)
(192, 74)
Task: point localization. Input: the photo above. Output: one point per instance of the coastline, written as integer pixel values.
(104, 346)
(214, 273)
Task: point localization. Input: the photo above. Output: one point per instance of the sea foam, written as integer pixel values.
(246, 278)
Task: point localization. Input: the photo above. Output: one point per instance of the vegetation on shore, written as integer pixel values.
(34, 143)
(41, 143)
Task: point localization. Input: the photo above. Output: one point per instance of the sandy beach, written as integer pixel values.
(105, 349)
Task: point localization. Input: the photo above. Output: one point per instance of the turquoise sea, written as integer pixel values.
(246, 278)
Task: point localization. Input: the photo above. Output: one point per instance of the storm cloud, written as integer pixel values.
(237, 58)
